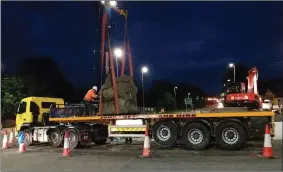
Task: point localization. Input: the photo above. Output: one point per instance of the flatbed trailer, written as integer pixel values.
(230, 130)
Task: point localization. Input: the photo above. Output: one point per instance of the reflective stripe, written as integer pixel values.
(126, 135)
(126, 128)
(267, 140)
(66, 143)
(146, 142)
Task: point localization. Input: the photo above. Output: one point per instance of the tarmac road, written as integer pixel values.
(122, 157)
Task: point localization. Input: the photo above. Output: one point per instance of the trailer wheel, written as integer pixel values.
(73, 138)
(28, 137)
(100, 142)
(196, 136)
(99, 134)
(164, 134)
(55, 138)
(230, 136)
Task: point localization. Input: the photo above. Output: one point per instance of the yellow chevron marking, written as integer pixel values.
(127, 129)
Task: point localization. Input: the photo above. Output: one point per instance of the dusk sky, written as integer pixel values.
(190, 42)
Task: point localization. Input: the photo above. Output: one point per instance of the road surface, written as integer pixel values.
(124, 158)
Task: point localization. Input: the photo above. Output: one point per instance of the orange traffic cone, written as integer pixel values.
(66, 149)
(22, 147)
(11, 138)
(267, 147)
(5, 140)
(146, 147)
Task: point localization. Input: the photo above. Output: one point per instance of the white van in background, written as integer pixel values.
(267, 105)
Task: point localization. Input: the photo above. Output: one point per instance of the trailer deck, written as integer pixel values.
(164, 116)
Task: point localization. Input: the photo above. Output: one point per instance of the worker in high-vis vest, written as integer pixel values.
(90, 98)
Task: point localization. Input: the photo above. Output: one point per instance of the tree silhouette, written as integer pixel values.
(42, 77)
(162, 95)
(12, 91)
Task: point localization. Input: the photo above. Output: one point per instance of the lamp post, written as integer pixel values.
(232, 65)
(175, 88)
(118, 54)
(144, 70)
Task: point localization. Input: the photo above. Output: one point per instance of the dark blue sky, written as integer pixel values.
(188, 42)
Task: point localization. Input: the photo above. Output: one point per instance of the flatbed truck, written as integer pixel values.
(230, 129)
(40, 123)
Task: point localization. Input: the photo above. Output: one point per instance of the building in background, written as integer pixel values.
(276, 98)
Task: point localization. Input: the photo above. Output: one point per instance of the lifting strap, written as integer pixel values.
(112, 67)
(104, 22)
(113, 77)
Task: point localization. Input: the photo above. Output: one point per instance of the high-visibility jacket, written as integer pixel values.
(90, 95)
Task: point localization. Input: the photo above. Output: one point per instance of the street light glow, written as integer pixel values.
(118, 52)
(113, 3)
(144, 69)
(228, 80)
(175, 87)
(231, 65)
(103, 2)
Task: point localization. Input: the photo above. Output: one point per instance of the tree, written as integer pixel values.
(43, 77)
(12, 91)
(167, 100)
(162, 95)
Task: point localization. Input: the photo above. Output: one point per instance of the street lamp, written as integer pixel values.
(232, 65)
(110, 3)
(113, 3)
(144, 70)
(228, 80)
(118, 54)
(175, 88)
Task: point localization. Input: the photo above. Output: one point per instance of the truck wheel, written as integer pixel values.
(73, 138)
(28, 137)
(196, 136)
(164, 134)
(55, 138)
(99, 134)
(230, 136)
(100, 142)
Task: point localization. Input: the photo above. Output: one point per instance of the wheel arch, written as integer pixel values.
(70, 128)
(26, 126)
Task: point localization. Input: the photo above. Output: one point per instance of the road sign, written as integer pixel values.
(188, 101)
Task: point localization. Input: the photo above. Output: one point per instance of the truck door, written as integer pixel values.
(34, 109)
(21, 116)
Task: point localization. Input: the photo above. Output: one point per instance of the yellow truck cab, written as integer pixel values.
(31, 110)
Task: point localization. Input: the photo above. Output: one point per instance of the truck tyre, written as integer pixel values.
(196, 136)
(28, 137)
(73, 138)
(55, 138)
(101, 142)
(230, 136)
(164, 134)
